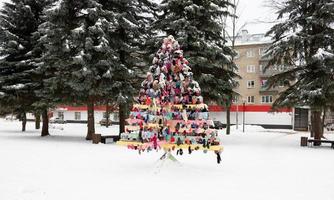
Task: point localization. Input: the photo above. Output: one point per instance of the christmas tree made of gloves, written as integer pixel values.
(170, 113)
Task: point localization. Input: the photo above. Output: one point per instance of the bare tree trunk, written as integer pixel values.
(232, 38)
(45, 125)
(311, 129)
(107, 113)
(316, 125)
(323, 122)
(90, 119)
(228, 119)
(122, 116)
(37, 120)
(24, 121)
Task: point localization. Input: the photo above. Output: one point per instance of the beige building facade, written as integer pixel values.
(251, 62)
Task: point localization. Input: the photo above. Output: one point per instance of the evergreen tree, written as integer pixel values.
(198, 26)
(128, 39)
(303, 43)
(80, 54)
(19, 20)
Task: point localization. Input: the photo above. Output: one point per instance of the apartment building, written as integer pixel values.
(251, 61)
(254, 104)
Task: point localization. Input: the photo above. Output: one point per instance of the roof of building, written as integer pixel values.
(244, 38)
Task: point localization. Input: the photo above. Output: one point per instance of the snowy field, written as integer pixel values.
(258, 164)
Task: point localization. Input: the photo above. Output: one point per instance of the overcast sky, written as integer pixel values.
(256, 14)
(251, 13)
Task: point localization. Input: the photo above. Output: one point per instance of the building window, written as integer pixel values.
(279, 68)
(262, 51)
(250, 53)
(235, 99)
(267, 99)
(250, 99)
(251, 68)
(261, 68)
(77, 115)
(250, 84)
(60, 115)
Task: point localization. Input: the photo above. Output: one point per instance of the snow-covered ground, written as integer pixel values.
(258, 164)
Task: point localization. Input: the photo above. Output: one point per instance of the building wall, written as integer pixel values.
(242, 61)
(70, 115)
(256, 118)
(251, 56)
(254, 115)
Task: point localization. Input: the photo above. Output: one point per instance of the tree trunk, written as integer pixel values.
(316, 125)
(122, 106)
(323, 122)
(24, 121)
(122, 116)
(45, 125)
(107, 113)
(311, 130)
(90, 119)
(228, 119)
(37, 121)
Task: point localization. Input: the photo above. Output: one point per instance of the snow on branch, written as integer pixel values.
(322, 54)
(16, 87)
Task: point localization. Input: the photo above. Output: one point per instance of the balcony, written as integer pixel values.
(265, 58)
(272, 70)
(268, 90)
(269, 72)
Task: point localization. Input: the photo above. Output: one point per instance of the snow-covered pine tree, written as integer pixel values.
(198, 26)
(303, 42)
(81, 54)
(128, 38)
(19, 20)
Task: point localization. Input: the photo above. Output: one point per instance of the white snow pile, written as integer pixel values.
(257, 164)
